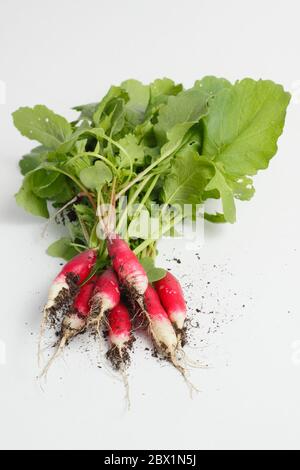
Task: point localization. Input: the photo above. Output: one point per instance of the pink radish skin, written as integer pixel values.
(161, 328)
(119, 335)
(76, 321)
(106, 295)
(75, 271)
(171, 296)
(131, 273)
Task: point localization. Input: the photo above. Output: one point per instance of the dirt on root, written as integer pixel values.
(120, 357)
(182, 335)
(64, 300)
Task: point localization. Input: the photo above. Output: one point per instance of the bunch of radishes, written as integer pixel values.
(81, 299)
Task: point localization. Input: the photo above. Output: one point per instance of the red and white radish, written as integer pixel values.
(161, 328)
(162, 331)
(65, 287)
(131, 273)
(73, 273)
(75, 321)
(171, 296)
(106, 296)
(119, 335)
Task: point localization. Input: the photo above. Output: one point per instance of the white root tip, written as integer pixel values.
(178, 319)
(57, 353)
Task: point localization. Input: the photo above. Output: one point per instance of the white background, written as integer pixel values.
(67, 52)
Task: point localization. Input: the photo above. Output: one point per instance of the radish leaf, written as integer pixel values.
(96, 176)
(62, 249)
(30, 202)
(42, 124)
(243, 125)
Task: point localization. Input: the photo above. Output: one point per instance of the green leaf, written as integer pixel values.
(177, 137)
(87, 214)
(219, 183)
(86, 110)
(186, 109)
(243, 125)
(114, 118)
(96, 176)
(215, 218)
(113, 92)
(33, 159)
(66, 193)
(187, 179)
(161, 89)
(137, 104)
(76, 164)
(242, 187)
(212, 85)
(73, 138)
(62, 249)
(46, 184)
(154, 274)
(133, 153)
(42, 124)
(26, 199)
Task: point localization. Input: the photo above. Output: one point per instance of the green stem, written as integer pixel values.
(84, 229)
(148, 242)
(120, 147)
(132, 200)
(146, 196)
(95, 155)
(78, 245)
(74, 179)
(141, 175)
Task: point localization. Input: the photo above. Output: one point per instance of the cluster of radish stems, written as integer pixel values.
(117, 297)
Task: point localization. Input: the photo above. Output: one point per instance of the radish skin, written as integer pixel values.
(161, 328)
(171, 296)
(106, 296)
(119, 335)
(162, 332)
(76, 321)
(131, 273)
(73, 273)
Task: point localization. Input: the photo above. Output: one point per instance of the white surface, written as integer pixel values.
(67, 52)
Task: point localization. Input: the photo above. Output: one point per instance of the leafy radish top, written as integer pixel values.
(157, 143)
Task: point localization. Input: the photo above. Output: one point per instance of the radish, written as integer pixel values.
(121, 341)
(131, 273)
(67, 281)
(65, 287)
(171, 296)
(162, 331)
(105, 297)
(75, 320)
(161, 328)
(120, 336)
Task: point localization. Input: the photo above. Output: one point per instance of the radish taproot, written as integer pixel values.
(75, 321)
(171, 296)
(132, 276)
